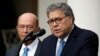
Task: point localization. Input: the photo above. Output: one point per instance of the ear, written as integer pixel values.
(70, 17)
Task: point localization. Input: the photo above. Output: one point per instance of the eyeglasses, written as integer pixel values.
(57, 20)
(29, 27)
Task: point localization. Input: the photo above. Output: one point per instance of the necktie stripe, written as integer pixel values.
(62, 43)
(25, 53)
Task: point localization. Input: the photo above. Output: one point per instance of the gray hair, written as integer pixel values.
(62, 6)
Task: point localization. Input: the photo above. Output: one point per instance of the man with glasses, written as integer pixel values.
(67, 39)
(27, 22)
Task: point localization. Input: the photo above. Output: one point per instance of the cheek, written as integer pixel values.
(19, 32)
(51, 28)
(66, 26)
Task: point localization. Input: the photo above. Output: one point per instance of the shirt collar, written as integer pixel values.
(32, 44)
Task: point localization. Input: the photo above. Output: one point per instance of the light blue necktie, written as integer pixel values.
(62, 43)
(25, 53)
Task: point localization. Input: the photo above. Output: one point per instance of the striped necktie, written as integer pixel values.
(62, 43)
(25, 53)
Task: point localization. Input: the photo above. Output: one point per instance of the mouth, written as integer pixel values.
(56, 31)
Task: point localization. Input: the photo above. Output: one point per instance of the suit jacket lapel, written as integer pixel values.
(53, 46)
(50, 46)
(16, 50)
(70, 41)
(38, 49)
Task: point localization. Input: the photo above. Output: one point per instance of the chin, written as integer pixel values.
(58, 35)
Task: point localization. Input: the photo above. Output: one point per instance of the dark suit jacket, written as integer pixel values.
(15, 50)
(80, 42)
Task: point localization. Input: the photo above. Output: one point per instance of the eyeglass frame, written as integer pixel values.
(57, 20)
(21, 27)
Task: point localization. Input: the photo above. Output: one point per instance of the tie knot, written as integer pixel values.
(25, 53)
(26, 49)
(62, 42)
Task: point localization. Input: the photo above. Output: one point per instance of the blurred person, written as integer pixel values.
(27, 22)
(67, 39)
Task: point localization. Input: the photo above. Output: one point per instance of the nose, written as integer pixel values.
(54, 23)
(25, 29)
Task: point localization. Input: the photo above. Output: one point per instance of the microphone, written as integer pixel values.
(32, 35)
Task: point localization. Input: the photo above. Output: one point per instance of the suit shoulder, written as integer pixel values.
(10, 50)
(84, 34)
(13, 49)
(88, 32)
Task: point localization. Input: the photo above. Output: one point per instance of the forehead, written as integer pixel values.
(26, 19)
(56, 13)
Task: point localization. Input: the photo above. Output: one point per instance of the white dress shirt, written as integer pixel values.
(32, 48)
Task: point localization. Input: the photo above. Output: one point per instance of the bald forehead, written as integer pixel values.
(27, 17)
